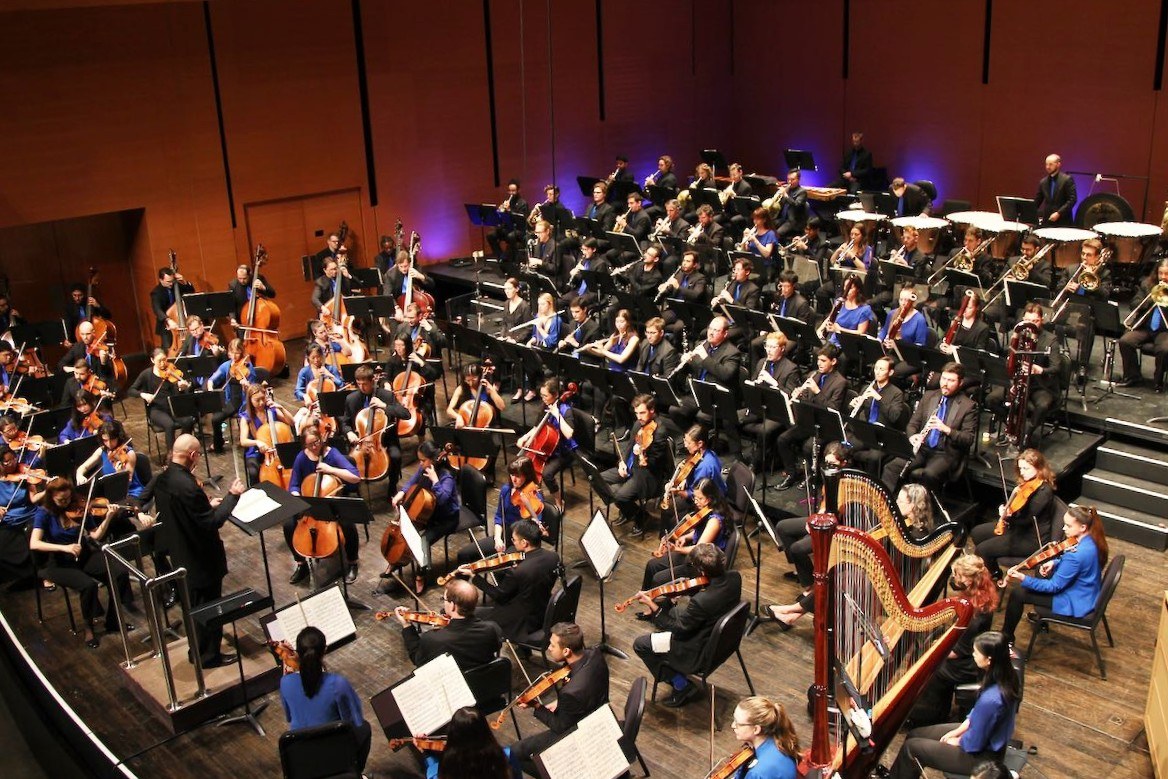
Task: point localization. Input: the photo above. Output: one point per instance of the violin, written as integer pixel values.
(684, 527)
(22, 440)
(728, 768)
(239, 370)
(675, 587)
(424, 743)
(1017, 502)
(417, 617)
(99, 508)
(492, 563)
(1049, 551)
(680, 476)
(24, 473)
(286, 655)
(170, 373)
(644, 440)
(546, 436)
(95, 386)
(31, 364)
(537, 688)
(93, 422)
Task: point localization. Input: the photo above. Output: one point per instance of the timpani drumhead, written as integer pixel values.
(928, 230)
(1129, 241)
(1069, 240)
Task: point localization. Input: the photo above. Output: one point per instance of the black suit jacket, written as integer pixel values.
(470, 641)
(892, 409)
(747, 295)
(74, 316)
(797, 307)
(322, 290)
(691, 627)
(605, 215)
(832, 394)
(710, 237)
(355, 402)
(694, 290)
(160, 301)
(522, 595)
(961, 416)
(1054, 365)
(657, 455)
(589, 329)
(104, 370)
(642, 282)
(863, 162)
(916, 202)
(316, 262)
(663, 360)
(239, 291)
(786, 373)
(795, 207)
(1062, 201)
(190, 527)
(638, 225)
(585, 691)
(722, 366)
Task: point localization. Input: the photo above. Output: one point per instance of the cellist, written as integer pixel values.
(252, 416)
(436, 477)
(315, 369)
(415, 326)
(472, 384)
(368, 396)
(325, 288)
(402, 357)
(328, 344)
(323, 460)
(562, 417)
(234, 376)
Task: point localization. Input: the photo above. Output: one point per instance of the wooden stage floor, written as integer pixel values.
(1081, 725)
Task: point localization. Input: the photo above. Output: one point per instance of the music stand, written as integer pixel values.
(470, 442)
(1018, 209)
(365, 278)
(349, 370)
(262, 507)
(1107, 323)
(352, 511)
(48, 424)
(371, 308)
(695, 316)
(65, 458)
(768, 404)
(598, 283)
(43, 392)
(1019, 293)
(599, 486)
(196, 404)
(720, 402)
(962, 279)
(658, 195)
(881, 203)
(603, 552)
(623, 243)
(866, 279)
(114, 487)
(641, 306)
(482, 216)
(764, 523)
(209, 306)
(826, 424)
(881, 438)
(800, 159)
(715, 159)
(230, 609)
(37, 334)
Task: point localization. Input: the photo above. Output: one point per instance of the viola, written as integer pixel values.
(492, 563)
(679, 478)
(98, 508)
(1017, 502)
(286, 655)
(645, 439)
(683, 528)
(675, 587)
(22, 440)
(260, 319)
(24, 473)
(537, 688)
(239, 370)
(417, 617)
(1049, 551)
(170, 373)
(274, 431)
(424, 743)
(546, 436)
(728, 768)
(93, 422)
(527, 501)
(95, 386)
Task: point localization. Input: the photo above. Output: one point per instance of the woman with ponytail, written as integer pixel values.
(765, 726)
(313, 696)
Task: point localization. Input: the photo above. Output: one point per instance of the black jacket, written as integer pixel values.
(691, 627)
(189, 527)
(1062, 202)
(355, 402)
(522, 595)
(785, 372)
(892, 409)
(585, 691)
(659, 360)
(916, 202)
(239, 291)
(322, 290)
(961, 416)
(160, 301)
(471, 642)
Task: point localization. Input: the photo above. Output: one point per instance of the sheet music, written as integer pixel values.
(591, 751)
(253, 504)
(410, 534)
(325, 610)
(429, 699)
(600, 545)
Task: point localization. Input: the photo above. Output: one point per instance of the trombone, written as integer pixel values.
(965, 264)
(1158, 296)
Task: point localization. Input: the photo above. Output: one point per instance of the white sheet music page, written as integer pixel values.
(253, 504)
(591, 751)
(429, 699)
(325, 610)
(600, 545)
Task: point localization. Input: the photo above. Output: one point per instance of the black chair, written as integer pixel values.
(491, 685)
(739, 487)
(585, 435)
(725, 640)
(1044, 618)
(561, 608)
(553, 522)
(472, 511)
(634, 712)
(322, 752)
(732, 544)
(68, 604)
(152, 434)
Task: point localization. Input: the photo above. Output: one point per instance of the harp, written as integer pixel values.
(875, 644)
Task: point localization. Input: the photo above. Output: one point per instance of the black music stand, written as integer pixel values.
(38, 334)
(1019, 293)
(287, 506)
(48, 424)
(371, 308)
(798, 331)
(196, 404)
(892, 273)
(469, 442)
(332, 404)
(599, 486)
(65, 458)
(351, 511)
(744, 206)
(586, 183)
(365, 278)
(349, 370)
(42, 393)
(658, 195)
(959, 279)
(482, 216)
(595, 542)
(601, 284)
(1018, 209)
(695, 316)
(826, 424)
(1107, 323)
(867, 279)
(766, 525)
(209, 306)
(623, 243)
(799, 159)
(715, 159)
(640, 306)
(722, 405)
(768, 404)
(114, 487)
(878, 437)
(198, 367)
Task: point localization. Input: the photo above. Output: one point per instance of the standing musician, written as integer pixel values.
(522, 594)
(561, 417)
(317, 457)
(911, 200)
(881, 403)
(716, 360)
(558, 216)
(793, 211)
(471, 641)
(519, 499)
(240, 287)
(688, 284)
(252, 415)
(330, 251)
(504, 239)
(1026, 519)
(585, 691)
(77, 310)
(702, 464)
(328, 343)
(709, 503)
(234, 376)
(472, 385)
(688, 631)
(313, 697)
(398, 278)
(1056, 195)
(738, 187)
(314, 370)
(912, 328)
(84, 421)
(1091, 279)
(543, 255)
(156, 385)
(582, 330)
(942, 431)
(190, 532)
(1151, 325)
(577, 288)
(161, 299)
(763, 725)
(72, 560)
(776, 371)
(387, 257)
(1069, 585)
(645, 278)
(435, 476)
(95, 356)
(18, 499)
(325, 287)
(855, 166)
(115, 455)
(828, 389)
(368, 396)
(656, 357)
(640, 474)
(739, 291)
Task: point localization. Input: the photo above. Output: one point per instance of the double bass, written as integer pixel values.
(340, 325)
(260, 322)
(423, 299)
(177, 312)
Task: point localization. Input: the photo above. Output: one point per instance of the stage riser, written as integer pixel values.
(1138, 528)
(1097, 485)
(1150, 466)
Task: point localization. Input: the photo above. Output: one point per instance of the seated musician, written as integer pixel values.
(689, 285)
(792, 206)
(473, 387)
(315, 369)
(881, 403)
(774, 370)
(854, 316)
(28, 452)
(435, 476)
(63, 557)
(912, 327)
(402, 357)
(1150, 319)
(162, 297)
(663, 177)
(739, 291)
(707, 234)
(156, 391)
(18, 499)
(703, 179)
(328, 343)
(1027, 516)
(543, 255)
(969, 330)
(80, 423)
(368, 396)
(857, 253)
(1048, 371)
(1069, 585)
(318, 458)
(324, 291)
(198, 341)
(519, 498)
(1090, 280)
(709, 502)
(763, 724)
(911, 200)
(234, 375)
(471, 749)
(687, 632)
(254, 414)
(471, 641)
(908, 255)
(520, 598)
(582, 330)
(545, 331)
(714, 360)
(983, 735)
(585, 691)
(505, 238)
(8, 367)
(656, 357)
(787, 302)
(640, 474)
(577, 288)
(619, 350)
(702, 464)
(1023, 267)
(942, 431)
(562, 417)
(645, 278)
(972, 257)
(415, 326)
(241, 286)
(762, 243)
(970, 579)
(635, 222)
(397, 278)
(676, 227)
(115, 455)
(96, 357)
(77, 310)
(824, 387)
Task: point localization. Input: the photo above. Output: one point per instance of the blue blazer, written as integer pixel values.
(1075, 581)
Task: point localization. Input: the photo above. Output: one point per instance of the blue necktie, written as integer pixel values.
(82, 314)
(1052, 182)
(171, 293)
(652, 351)
(783, 308)
(583, 284)
(900, 206)
(1157, 319)
(852, 166)
(737, 291)
(334, 287)
(874, 412)
(704, 373)
(822, 379)
(685, 282)
(935, 435)
(248, 291)
(592, 212)
(770, 367)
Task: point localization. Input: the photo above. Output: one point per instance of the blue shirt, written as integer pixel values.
(107, 467)
(766, 239)
(507, 515)
(618, 348)
(305, 376)
(991, 723)
(50, 526)
(433, 760)
(913, 330)
(445, 491)
(553, 336)
(14, 495)
(1075, 581)
(769, 762)
(709, 467)
(851, 318)
(303, 467)
(336, 700)
(232, 390)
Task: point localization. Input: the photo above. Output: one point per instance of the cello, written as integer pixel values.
(316, 538)
(273, 432)
(475, 415)
(260, 318)
(406, 386)
(546, 436)
(177, 312)
(423, 299)
(371, 455)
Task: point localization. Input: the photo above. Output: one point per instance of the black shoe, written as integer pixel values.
(683, 696)
(1130, 381)
(1159, 387)
(637, 531)
(221, 660)
(299, 573)
(351, 576)
(643, 616)
(93, 643)
(789, 481)
(620, 520)
(791, 576)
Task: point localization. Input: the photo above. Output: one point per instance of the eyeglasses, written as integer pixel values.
(736, 724)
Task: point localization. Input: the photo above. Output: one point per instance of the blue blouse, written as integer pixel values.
(914, 330)
(769, 763)
(851, 318)
(991, 723)
(336, 700)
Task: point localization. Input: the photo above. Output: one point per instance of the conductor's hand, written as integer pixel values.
(237, 487)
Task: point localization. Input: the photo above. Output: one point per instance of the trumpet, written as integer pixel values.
(897, 256)
(798, 242)
(535, 215)
(622, 222)
(748, 235)
(1158, 296)
(727, 194)
(872, 391)
(842, 252)
(661, 227)
(505, 206)
(695, 232)
(612, 176)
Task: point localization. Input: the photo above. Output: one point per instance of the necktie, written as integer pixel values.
(852, 165)
(82, 314)
(1052, 182)
(783, 308)
(770, 367)
(737, 291)
(592, 212)
(900, 206)
(368, 398)
(704, 373)
(822, 379)
(170, 292)
(935, 435)
(652, 351)
(333, 287)
(685, 282)
(874, 412)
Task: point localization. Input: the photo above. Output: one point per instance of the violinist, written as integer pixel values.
(472, 385)
(329, 344)
(116, 454)
(520, 498)
(162, 298)
(1026, 520)
(83, 379)
(155, 385)
(689, 630)
(711, 528)
(471, 641)
(325, 288)
(585, 691)
(701, 463)
(85, 419)
(368, 396)
(8, 367)
(234, 376)
(312, 696)
(763, 725)
(397, 277)
(1069, 585)
(433, 475)
(521, 597)
(320, 458)
(561, 417)
(95, 355)
(641, 473)
(471, 750)
(69, 560)
(18, 497)
(200, 340)
(77, 310)
(240, 287)
(27, 448)
(253, 415)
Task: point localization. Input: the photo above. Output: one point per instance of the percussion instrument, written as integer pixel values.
(1007, 236)
(868, 222)
(928, 230)
(1130, 242)
(1070, 242)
